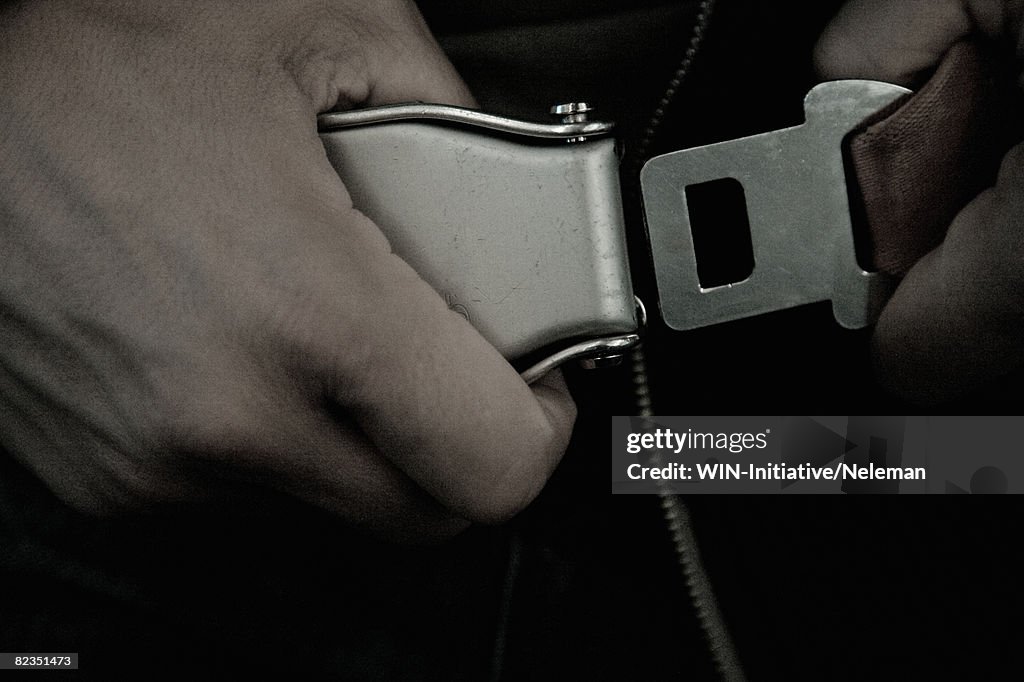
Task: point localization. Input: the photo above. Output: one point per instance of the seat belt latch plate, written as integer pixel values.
(798, 206)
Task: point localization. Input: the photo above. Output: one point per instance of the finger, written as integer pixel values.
(430, 393)
(416, 69)
(956, 321)
(331, 464)
(383, 54)
(242, 437)
(434, 397)
(892, 40)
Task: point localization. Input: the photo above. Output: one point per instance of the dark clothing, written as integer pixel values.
(812, 588)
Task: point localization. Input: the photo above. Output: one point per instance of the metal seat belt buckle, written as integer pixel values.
(797, 204)
(519, 225)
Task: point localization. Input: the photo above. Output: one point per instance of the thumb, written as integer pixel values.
(956, 320)
(896, 40)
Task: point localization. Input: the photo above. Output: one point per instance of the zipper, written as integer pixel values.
(677, 519)
(674, 511)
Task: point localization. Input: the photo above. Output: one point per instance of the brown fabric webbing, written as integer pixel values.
(920, 162)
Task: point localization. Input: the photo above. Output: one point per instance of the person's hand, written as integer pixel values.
(957, 320)
(188, 298)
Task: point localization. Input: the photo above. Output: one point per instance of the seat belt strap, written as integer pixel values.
(920, 161)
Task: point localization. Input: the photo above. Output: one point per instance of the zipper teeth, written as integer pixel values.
(697, 35)
(674, 510)
(677, 518)
(702, 596)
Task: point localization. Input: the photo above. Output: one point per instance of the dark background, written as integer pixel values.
(812, 588)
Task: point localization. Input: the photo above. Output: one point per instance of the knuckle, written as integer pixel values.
(517, 479)
(336, 54)
(118, 483)
(505, 496)
(139, 486)
(332, 52)
(329, 75)
(195, 416)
